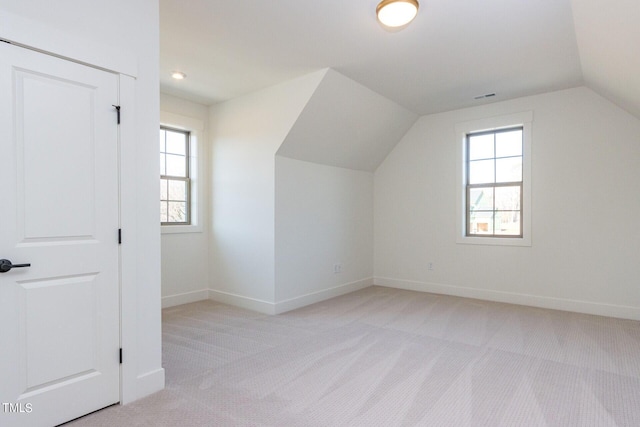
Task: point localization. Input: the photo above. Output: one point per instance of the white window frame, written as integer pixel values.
(196, 173)
(524, 119)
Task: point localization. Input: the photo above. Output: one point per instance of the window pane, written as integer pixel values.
(163, 212)
(481, 172)
(163, 189)
(163, 164)
(177, 190)
(507, 198)
(177, 212)
(481, 147)
(509, 169)
(509, 143)
(508, 223)
(176, 143)
(481, 223)
(481, 199)
(176, 165)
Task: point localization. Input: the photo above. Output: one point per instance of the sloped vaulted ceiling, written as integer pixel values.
(608, 36)
(346, 125)
(452, 52)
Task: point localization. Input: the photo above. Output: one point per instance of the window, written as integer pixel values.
(494, 183)
(494, 180)
(190, 132)
(175, 182)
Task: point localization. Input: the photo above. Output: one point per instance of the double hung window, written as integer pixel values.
(494, 183)
(175, 181)
(494, 180)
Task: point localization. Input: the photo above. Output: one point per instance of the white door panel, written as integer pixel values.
(59, 209)
(68, 106)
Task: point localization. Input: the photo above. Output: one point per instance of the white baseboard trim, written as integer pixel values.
(577, 306)
(149, 383)
(241, 301)
(325, 294)
(186, 298)
(290, 304)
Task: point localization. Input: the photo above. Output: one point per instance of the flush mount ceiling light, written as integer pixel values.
(178, 75)
(396, 13)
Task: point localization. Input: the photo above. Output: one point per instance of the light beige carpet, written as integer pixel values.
(387, 357)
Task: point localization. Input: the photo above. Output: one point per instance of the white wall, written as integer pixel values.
(123, 36)
(245, 135)
(324, 216)
(585, 234)
(185, 253)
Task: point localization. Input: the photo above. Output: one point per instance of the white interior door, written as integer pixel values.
(59, 318)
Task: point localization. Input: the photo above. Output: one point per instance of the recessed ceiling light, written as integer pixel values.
(396, 13)
(178, 75)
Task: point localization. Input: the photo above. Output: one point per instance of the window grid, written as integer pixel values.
(175, 210)
(494, 211)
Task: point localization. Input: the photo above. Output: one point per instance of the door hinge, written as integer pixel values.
(117, 107)
(121, 356)
(119, 236)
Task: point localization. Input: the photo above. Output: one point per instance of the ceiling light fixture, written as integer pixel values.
(396, 13)
(178, 75)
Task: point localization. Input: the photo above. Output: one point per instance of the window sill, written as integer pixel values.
(494, 241)
(180, 229)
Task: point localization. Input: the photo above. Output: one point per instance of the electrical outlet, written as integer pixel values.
(430, 266)
(337, 268)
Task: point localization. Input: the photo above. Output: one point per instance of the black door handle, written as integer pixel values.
(5, 265)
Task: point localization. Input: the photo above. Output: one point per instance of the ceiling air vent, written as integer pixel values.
(487, 95)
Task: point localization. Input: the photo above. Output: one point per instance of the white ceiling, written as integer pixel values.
(452, 52)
